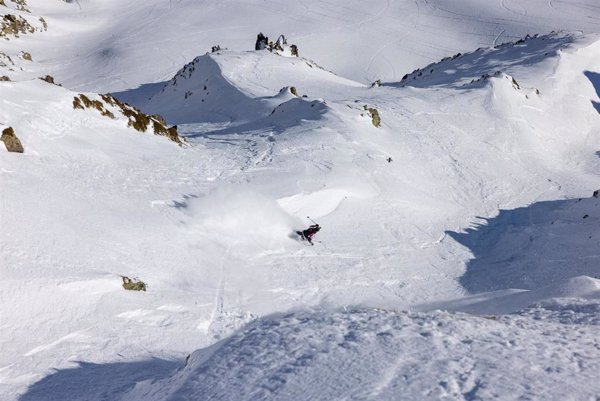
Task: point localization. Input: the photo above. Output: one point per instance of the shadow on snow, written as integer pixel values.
(594, 78)
(458, 71)
(97, 382)
(533, 246)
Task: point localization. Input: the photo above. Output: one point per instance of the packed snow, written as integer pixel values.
(458, 252)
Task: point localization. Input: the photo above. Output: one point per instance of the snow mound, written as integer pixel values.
(321, 203)
(294, 111)
(42, 113)
(234, 86)
(200, 92)
(380, 355)
(507, 301)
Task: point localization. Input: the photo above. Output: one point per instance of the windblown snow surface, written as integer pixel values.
(458, 258)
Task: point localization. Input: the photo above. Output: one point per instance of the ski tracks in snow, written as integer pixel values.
(518, 10)
(217, 311)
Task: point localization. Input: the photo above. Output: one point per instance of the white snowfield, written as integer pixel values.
(384, 355)
(472, 197)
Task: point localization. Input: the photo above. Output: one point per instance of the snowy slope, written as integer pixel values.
(228, 86)
(384, 355)
(209, 226)
(103, 43)
(461, 70)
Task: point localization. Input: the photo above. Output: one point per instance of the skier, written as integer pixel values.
(310, 232)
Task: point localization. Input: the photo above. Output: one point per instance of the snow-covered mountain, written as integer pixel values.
(457, 258)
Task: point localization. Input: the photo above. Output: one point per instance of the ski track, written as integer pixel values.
(220, 292)
(521, 12)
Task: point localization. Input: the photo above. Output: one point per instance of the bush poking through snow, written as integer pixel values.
(375, 119)
(12, 143)
(26, 56)
(133, 285)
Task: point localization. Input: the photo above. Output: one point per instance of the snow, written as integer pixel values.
(385, 355)
(390, 37)
(462, 269)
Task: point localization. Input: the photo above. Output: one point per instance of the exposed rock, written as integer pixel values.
(49, 79)
(6, 61)
(13, 25)
(77, 104)
(4, 78)
(289, 89)
(376, 84)
(280, 46)
(25, 56)
(82, 102)
(515, 84)
(136, 119)
(596, 193)
(133, 285)
(12, 143)
(375, 119)
(20, 5)
(262, 42)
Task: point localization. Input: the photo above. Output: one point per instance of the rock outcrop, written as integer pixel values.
(133, 285)
(136, 119)
(12, 143)
(375, 118)
(13, 25)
